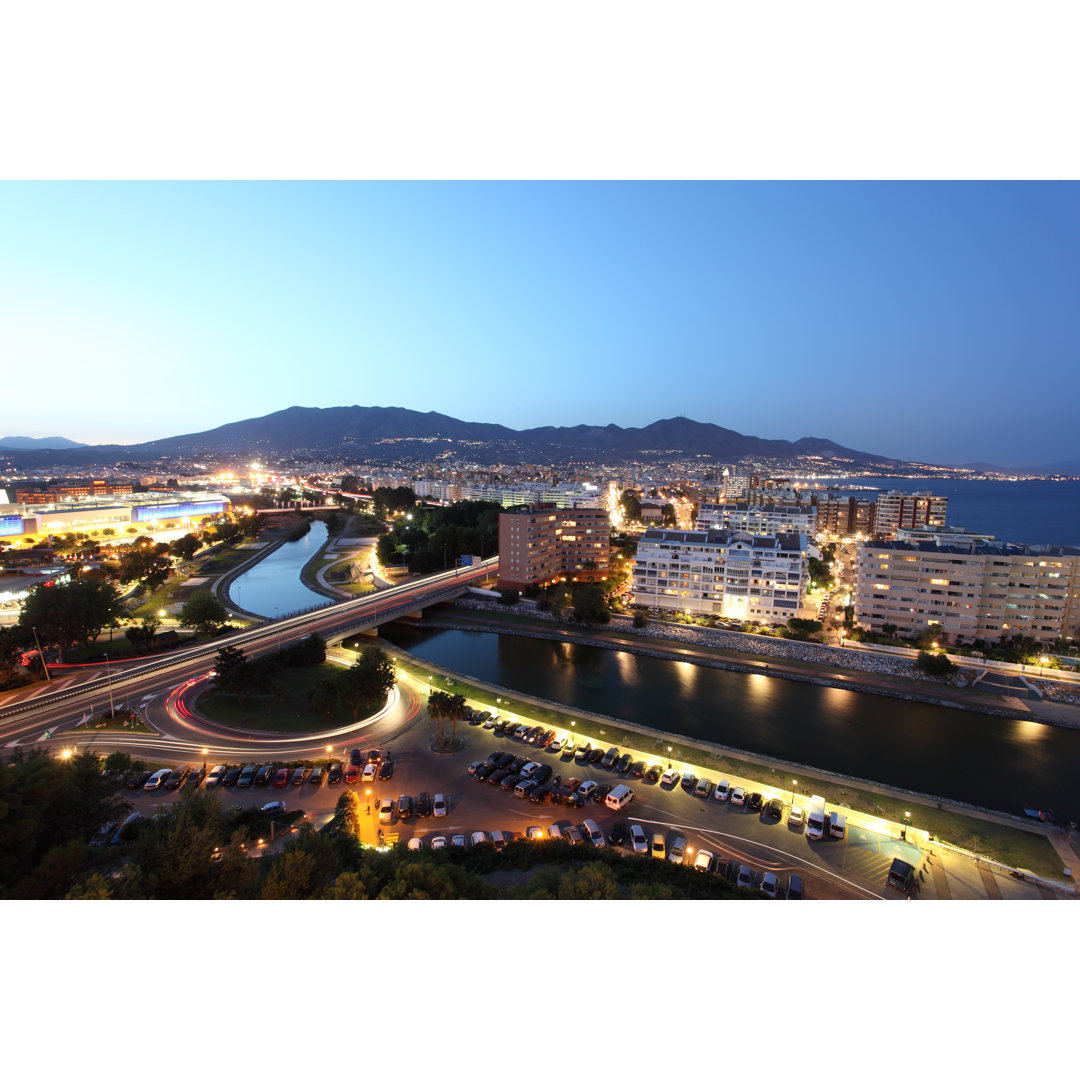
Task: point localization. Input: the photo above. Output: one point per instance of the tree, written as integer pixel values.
(185, 547)
(631, 505)
(346, 817)
(668, 517)
(443, 707)
(641, 620)
(72, 614)
(561, 600)
(369, 680)
(592, 882)
(143, 636)
(229, 670)
(590, 605)
(205, 612)
(509, 597)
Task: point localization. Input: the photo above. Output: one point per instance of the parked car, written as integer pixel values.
(377, 755)
(689, 782)
(555, 746)
(356, 758)
(404, 807)
(335, 773)
(479, 837)
(569, 750)
(534, 832)
(138, 780)
(539, 794)
(723, 789)
(678, 850)
(703, 860)
(300, 774)
(609, 759)
(794, 888)
(738, 797)
(276, 807)
(386, 811)
(704, 788)
(573, 834)
(600, 792)
(247, 776)
(757, 802)
(796, 818)
(768, 884)
(415, 844)
(281, 778)
(156, 780)
(658, 846)
(262, 776)
(670, 778)
(386, 769)
(231, 777)
(499, 775)
(582, 753)
(423, 804)
(542, 775)
(586, 789)
(638, 840)
(197, 776)
(617, 835)
(624, 764)
(555, 832)
(774, 808)
(438, 843)
(217, 774)
(371, 770)
(317, 775)
(637, 770)
(473, 767)
(458, 840)
(652, 774)
(744, 879)
(595, 756)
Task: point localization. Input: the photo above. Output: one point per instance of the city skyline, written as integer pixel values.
(921, 321)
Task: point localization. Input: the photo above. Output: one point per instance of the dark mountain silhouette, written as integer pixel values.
(394, 433)
(49, 442)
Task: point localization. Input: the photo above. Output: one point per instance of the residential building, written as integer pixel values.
(908, 509)
(844, 515)
(726, 572)
(542, 544)
(970, 591)
(766, 519)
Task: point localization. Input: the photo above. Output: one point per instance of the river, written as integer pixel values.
(974, 758)
(272, 587)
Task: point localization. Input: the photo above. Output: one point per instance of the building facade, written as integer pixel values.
(908, 510)
(725, 572)
(766, 519)
(542, 544)
(968, 592)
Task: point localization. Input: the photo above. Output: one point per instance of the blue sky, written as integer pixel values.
(934, 321)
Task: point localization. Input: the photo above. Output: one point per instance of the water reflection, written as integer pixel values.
(972, 757)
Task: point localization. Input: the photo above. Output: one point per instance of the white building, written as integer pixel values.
(764, 520)
(726, 572)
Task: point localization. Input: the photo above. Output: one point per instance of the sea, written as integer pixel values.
(1017, 511)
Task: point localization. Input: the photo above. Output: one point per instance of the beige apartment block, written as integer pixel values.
(972, 592)
(908, 510)
(540, 545)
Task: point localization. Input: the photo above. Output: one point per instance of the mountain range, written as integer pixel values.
(49, 442)
(387, 433)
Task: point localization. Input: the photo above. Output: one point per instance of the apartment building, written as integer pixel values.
(844, 515)
(726, 572)
(542, 544)
(968, 591)
(908, 510)
(587, 497)
(766, 519)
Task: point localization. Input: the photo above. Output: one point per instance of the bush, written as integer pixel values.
(509, 597)
(934, 663)
(641, 620)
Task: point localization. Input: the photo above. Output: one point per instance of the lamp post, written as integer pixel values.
(41, 657)
(669, 757)
(907, 822)
(108, 679)
(794, 785)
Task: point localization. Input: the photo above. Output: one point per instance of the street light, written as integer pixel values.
(794, 785)
(669, 757)
(907, 822)
(41, 657)
(108, 679)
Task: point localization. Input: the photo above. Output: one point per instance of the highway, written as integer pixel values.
(59, 706)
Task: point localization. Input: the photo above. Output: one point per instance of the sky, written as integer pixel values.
(926, 321)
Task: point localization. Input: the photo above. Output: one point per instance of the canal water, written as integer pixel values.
(983, 760)
(272, 587)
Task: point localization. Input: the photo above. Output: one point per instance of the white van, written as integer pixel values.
(618, 797)
(815, 819)
(837, 825)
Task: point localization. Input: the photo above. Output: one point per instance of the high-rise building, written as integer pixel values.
(764, 519)
(844, 515)
(726, 572)
(908, 510)
(968, 592)
(542, 544)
